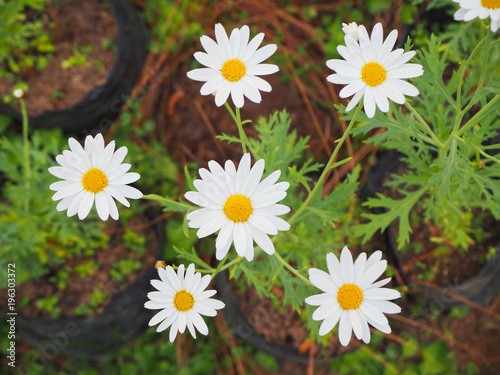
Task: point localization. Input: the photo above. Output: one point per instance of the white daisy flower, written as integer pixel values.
(244, 208)
(470, 9)
(351, 29)
(232, 66)
(182, 300)
(372, 71)
(352, 296)
(94, 173)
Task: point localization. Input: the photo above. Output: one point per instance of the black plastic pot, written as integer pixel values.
(97, 336)
(245, 331)
(102, 104)
(480, 289)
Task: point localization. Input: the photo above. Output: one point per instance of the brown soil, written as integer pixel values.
(76, 24)
(80, 289)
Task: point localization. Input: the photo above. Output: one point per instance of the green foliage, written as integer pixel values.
(96, 300)
(445, 143)
(124, 268)
(28, 208)
(49, 305)
(79, 57)
(23, 43)
(134, 241)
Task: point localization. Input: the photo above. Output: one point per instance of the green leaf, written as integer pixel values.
(394, 209)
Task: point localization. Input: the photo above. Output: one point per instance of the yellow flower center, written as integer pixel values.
(490, 4)
(238, 208)
(373, 74)
(233, 70)
(183, 301)
(349, 296)
(94, 180)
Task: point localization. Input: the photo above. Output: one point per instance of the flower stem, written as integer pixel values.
(433, 136)
(170, 203)
(221, 267)
(292, 269)
(26, 154)
(237, 119)
(328, 166)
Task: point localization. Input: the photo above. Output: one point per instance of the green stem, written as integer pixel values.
(433, 136)
(237, 119)
(221, 267)
(26, 151)
(461, 112)
(492, 158)
(292, 269)
(475, 119)
(328, 166)
(170, 202)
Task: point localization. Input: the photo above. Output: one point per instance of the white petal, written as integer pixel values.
(381, 293)
(173, 330)
(262, 69)
(346, 266)
(71, 189)
(404, 87)
(369, 102)
(222, 93)
(199, 323)
(101, 204)
(126, 191)
(381, 100)
(224, 240)
(322, 280)
(334, 269)
(330, 322)
(259, 83)
(262, 240)
(373, 273)
(345, 328)
(252, 47)
(318, 299)
(223, 41)
(85, 205)
(240, 239)
(237, 95)
(75, 203)
(388, 45)
(213, 64)
(204, 74)
(212, 48)
(260, 55)
(325, 310)
(167, 322)
(355, 99)
(356, 322)
(211, 86)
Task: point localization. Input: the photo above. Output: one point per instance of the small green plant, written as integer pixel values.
(87, 268)
(123, 268)
(23, 43)
(79, 57)
(27, 207)
(134, 241)
(96, 300)
(56, 95)
(49, 305)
